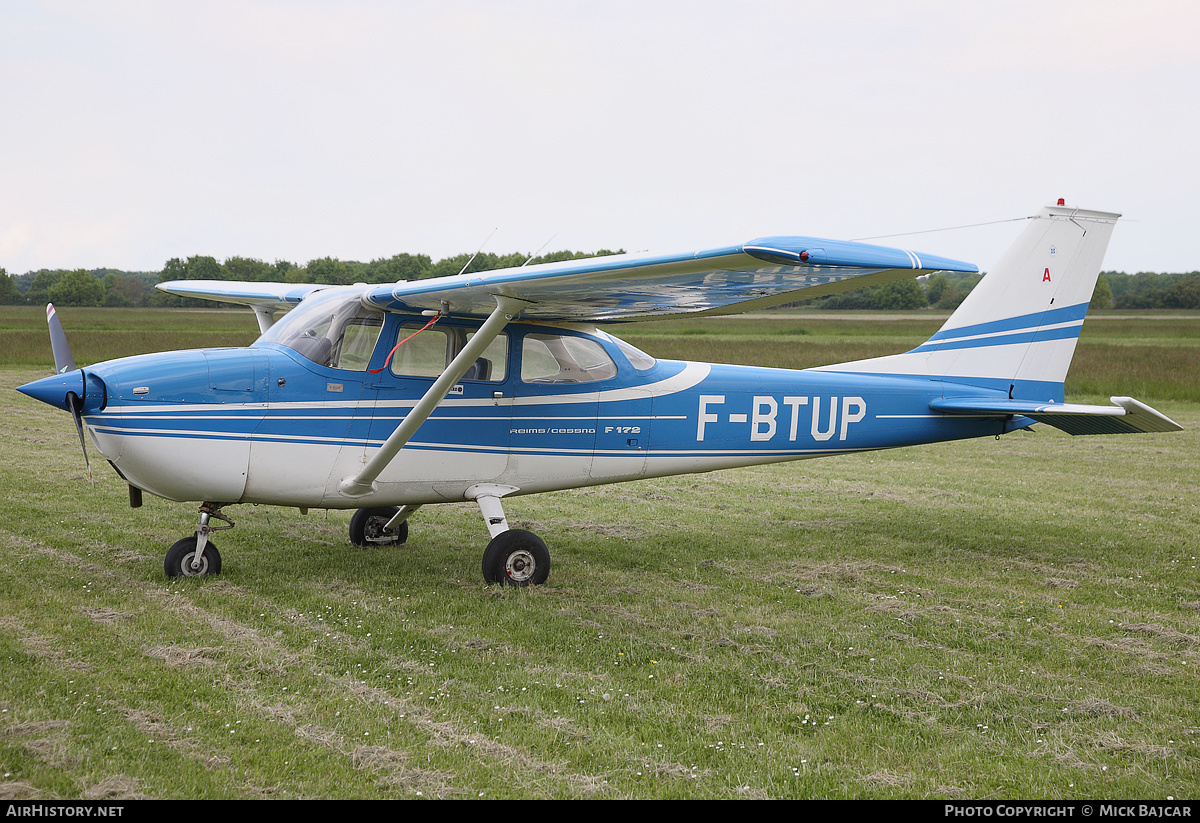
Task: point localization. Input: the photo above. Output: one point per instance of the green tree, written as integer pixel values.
(398, 267)
(934, 287)
(203, 267)
(448, 266)
(198, 267)
(1102, 296)
(77, 288)
(9, 296)
(329, 271)
(122, 290)
(899, 296)
(559, 256)
(39, 289)
(950, 298)
(1185, 293)
(247, 268)
(174, 269)
(1144, 290)
(296, 274)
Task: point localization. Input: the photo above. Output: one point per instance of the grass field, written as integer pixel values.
(1012, 618)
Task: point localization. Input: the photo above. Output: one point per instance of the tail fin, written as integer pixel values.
(1016, 333)
(1017, 329)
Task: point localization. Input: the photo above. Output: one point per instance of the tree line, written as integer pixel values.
(112, 287)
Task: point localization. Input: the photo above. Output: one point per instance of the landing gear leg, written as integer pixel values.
(197, 555)
(514, 557)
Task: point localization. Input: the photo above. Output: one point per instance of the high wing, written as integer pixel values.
(264, 298)
(765, 272)
(267, 295)
(762, 273)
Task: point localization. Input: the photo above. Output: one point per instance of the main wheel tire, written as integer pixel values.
(516, 558)
(179, 559)
(366, 528)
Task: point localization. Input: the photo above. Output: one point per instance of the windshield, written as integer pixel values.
(636, 357)
(331, 329)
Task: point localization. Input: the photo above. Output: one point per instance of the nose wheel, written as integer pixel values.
(197, 556)
(182, 561)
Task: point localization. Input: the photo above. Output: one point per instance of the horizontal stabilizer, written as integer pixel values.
(1126, 417)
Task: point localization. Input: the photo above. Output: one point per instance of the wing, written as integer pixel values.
(759, 274)
(273, 296)
(264, 298)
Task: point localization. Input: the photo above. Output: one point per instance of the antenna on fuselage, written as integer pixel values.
(539, 251)
(478, 250)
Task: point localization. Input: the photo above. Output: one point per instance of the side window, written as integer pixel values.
(427, 354)
(555, 358)
(423, 355)
(358, 341)
(493, 363)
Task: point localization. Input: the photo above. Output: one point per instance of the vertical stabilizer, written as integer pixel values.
(1017, 329)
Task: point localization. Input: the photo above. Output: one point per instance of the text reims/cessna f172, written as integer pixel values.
(485, 386)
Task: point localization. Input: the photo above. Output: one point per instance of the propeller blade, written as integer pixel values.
(63, 360)
(76, 404)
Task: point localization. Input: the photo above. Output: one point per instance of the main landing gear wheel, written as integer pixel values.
(367, 528)
(516, 558)
(179, 559)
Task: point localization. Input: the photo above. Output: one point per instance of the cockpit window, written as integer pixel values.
(358, 342)
(561, 358)
(427, 353)
(331, 329)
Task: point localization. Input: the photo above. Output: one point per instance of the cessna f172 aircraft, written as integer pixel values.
(386, 398)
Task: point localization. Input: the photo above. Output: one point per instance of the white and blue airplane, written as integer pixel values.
(480, 387)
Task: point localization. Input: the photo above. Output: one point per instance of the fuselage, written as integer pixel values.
(548, 408)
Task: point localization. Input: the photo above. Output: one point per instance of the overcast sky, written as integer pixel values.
(134, 132)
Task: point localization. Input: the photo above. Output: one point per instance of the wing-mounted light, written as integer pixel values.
(781, 257)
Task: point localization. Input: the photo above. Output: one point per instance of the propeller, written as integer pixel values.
(64, 362)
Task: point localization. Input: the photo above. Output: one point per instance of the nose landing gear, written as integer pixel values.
(196, 556)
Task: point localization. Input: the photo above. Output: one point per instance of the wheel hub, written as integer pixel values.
(520, 566)
(188, 570)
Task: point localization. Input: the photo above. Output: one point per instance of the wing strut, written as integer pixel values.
(363, 483)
